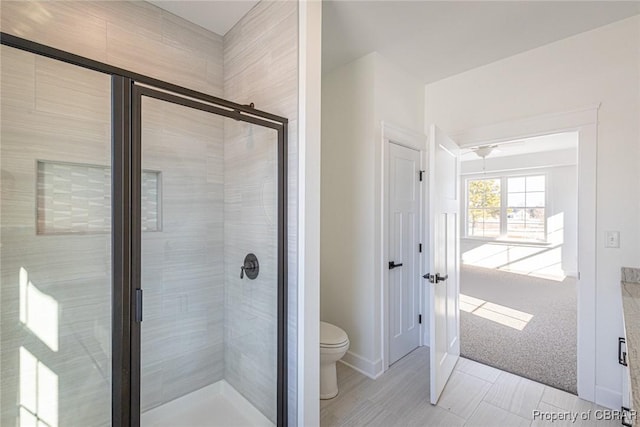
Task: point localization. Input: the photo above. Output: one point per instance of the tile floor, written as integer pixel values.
(476, 395)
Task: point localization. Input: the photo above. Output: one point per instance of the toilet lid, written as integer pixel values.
(331, 335)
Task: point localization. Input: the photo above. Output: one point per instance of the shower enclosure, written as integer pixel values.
(143, 249)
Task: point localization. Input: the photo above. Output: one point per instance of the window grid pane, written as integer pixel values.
(526, 211)
(524, 217)
(483, 207)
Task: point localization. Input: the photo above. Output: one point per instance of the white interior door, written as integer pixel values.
(444, 288)
(404, 261)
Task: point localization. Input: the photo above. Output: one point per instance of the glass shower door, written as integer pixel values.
(209, 266)
(55, 250)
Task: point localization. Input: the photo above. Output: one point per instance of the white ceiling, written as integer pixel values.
(554, 142)
(429, 39)
(436, 39)
(214, 15)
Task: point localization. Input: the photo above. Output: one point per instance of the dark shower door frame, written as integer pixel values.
(138, 92)
(127, 90)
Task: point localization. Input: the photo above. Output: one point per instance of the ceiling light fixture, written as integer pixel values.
(483, 151)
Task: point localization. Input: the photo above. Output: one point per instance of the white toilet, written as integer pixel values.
(334, 343)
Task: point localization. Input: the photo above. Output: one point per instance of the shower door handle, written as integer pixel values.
(138, 305)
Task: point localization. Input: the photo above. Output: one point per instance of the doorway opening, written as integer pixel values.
(519, 257)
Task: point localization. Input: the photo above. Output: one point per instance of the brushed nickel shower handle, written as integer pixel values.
(245, 268)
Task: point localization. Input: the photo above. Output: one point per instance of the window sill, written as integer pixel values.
(508, 242)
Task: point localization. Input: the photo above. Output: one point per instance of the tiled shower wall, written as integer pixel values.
(260, 66)
(182, 272)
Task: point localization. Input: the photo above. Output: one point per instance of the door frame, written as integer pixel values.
(139, 91)
(415, 141)
(585, 122)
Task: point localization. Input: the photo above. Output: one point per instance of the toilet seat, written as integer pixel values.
(332, 336)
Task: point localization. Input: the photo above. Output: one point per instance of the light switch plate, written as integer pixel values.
(612, 239)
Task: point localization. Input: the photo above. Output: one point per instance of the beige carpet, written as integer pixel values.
(502, 303)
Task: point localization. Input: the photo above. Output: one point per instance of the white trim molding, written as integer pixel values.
(309, 116)
(608, 398)
(370, 368)
(585, 122)
(403, 136)
(528, 127)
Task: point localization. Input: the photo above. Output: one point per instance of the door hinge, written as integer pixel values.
(420, 175)
(419, 318)
(420, 247)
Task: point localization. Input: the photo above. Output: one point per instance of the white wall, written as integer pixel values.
(599, 66)
(399, 101)
(356, 98)
(559, 167)
(347, 197)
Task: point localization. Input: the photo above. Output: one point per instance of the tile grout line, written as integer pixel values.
(475, 408)
(506, 410)
(477, 376)
(540, 399)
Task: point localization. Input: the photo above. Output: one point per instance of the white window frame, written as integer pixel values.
(504, 191)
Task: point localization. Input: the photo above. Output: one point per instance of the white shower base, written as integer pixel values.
(216, 405)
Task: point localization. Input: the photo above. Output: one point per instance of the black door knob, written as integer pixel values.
(440, 278)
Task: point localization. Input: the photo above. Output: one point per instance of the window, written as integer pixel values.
(483, 208)
(512, 208)
(526, 208)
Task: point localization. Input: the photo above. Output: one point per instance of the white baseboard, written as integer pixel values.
(363, 365)
(608, 398)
